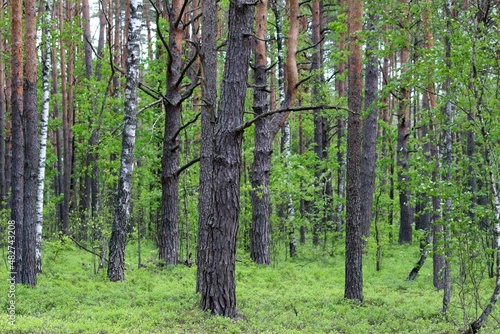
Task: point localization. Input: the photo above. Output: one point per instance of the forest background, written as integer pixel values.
(281, 135)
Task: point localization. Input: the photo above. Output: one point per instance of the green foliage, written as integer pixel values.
(303, 295)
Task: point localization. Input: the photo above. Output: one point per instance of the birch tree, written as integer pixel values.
(116, 268)
(46, 70)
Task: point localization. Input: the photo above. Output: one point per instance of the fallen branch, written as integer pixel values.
(86, 249)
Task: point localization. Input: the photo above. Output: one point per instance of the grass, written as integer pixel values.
(303, 295)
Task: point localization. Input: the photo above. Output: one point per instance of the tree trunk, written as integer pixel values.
(406, 212)
(169, 233)
(273, 124)
(476, 325)
(423, 217)
(292, 239)
(218, 288)
(369, 127)
(116, 267)
(66, 153)
(117, 43)
(17, 203)
(30, 123)
(320, 126)
(46, 53)
(340, 85)
(260, 234)
(354, 257)
(208, 109)
(3, 109)
(448, 159)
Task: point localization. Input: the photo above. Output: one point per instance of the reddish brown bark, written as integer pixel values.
(354, 257)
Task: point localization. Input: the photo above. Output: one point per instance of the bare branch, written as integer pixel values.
(181, 14)
(186, 166)
(277, 111)
(310, 46)
(160, 34)
(191, 62)
(187, 124)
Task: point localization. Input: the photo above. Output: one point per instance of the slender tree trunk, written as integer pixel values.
(117, 42)
(208, 109)
(260, 234)
(3, 109)
(303, 203)
(476, 325)
(423, 219)
(57, 135)
(66, 153)
(406, 212)
(320, 126)
(69, 161)
(124, 53)
(218, 288)
(116, 268)
(17, 100)
(287, 99)
(46, 58)
(292, 239)
(369, 127)
(340, 85)
(354, 256)
(8, 133)
(448, 160)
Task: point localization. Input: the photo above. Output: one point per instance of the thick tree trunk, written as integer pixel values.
(354, 256)
(260, 234)
(369, 128)
(218, 288)
(116, 267)
(169, 233)
(31, 155)
(17, 100)
(208, 109)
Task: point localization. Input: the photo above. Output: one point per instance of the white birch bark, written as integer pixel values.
(291, 209)
(116, 268)
(43, 136)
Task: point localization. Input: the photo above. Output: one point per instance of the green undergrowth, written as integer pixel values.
(303, 295)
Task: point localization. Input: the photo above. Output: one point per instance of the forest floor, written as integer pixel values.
(301, 295)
